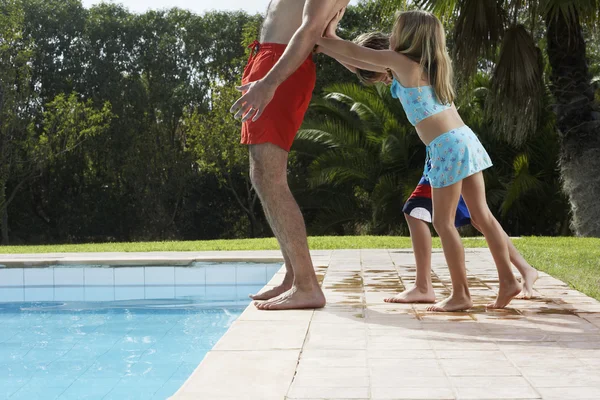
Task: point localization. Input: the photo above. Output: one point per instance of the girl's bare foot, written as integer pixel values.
(507, 292)
(414, 295)
(528, 280)
(452, 303)
(295, 299)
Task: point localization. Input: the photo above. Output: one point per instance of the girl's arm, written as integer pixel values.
(350, 63)
(381, 59)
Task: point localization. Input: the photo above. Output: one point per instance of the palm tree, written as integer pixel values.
(482, 27)
(366, 159)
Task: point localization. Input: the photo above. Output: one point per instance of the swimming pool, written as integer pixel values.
(115, 332)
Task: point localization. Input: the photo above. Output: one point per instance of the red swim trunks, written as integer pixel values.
(283, 116)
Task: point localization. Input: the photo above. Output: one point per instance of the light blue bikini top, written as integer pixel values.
(418, 102)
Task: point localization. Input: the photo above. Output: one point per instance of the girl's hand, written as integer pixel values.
(331, 29)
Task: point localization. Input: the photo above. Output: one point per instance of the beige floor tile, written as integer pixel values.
(382, 375)
(333, 343)
(254, 314)
(329, 393)
(471, 354)
(490, 382)
(406, 355)
(306, 370)
(496, 393)
(476, 367)
(332, 381)
(570, 393)
(233, 374)
(410, 381)
(264, 335)
(401, 393)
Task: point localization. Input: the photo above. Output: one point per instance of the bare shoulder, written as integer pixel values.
(403, 66)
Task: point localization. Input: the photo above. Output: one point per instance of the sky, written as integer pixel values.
(197, 6)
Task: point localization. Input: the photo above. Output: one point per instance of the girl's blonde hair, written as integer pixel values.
(420, 36)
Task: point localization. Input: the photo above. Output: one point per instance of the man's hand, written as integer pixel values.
(257, 95)
(331, 30)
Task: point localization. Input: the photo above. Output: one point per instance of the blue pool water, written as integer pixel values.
(132, 339)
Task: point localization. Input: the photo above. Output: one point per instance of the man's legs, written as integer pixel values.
(268, 172)
(288, 280)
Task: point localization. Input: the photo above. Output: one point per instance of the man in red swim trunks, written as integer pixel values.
(277, 85)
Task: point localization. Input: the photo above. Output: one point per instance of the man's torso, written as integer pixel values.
(284, 17)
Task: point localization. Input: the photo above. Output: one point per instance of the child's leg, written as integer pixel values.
(528, 274)
(422, 292)
(473, 191)
(445, 201)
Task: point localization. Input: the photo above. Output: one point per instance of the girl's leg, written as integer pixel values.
(445, 201)
(422, 292)
(473, 191)
(528, 274)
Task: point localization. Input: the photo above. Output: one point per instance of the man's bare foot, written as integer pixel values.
(295, 299)
(414, 295)
(507, 292)
(528, 280)
(271, 293)
(452, 303)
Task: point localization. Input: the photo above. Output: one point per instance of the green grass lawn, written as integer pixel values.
(573, 260)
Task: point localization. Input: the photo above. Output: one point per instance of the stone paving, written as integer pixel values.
(359, 347)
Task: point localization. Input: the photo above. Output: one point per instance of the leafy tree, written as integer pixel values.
(213, 140)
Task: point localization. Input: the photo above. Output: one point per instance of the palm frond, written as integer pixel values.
(517, 91)
(338, 167)
(523, 183)
(332, 133)
(478, 32)
(572, 10)
(444, 9)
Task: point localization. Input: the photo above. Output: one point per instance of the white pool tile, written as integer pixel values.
(159, 275)
(69, 293)
(99, 276)
(190, 275)
(11, 294)
(11, 277)
(99, 293)
(220, 275)
(129, 276)
(273, 269)
(39, 294)
(129, 292)
(39, 277)
(249, 274)
(160, 292)
(242, 291)
(68, 276)
(190, 291)
(221, 292)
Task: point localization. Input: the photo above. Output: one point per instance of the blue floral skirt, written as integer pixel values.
(454, 156)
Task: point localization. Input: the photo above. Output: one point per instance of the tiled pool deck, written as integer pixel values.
(359, 347)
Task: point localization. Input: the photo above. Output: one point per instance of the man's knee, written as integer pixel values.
(267, 169)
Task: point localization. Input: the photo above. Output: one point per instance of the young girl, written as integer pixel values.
(421, 74)
(418, 208)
